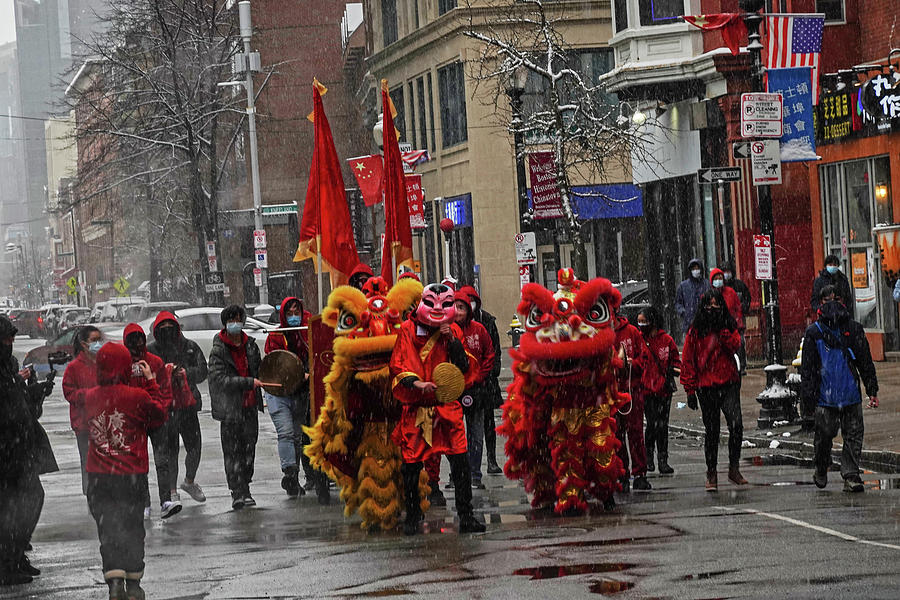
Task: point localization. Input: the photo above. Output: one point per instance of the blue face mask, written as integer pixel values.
(293, 320)
(832, 269)
(94, 347)
(233, 328)
(717, 283)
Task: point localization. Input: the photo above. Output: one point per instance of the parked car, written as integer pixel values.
(30, 322)
(635, 297)
(114, 309)
(59, 347)
(136, 313)
(73, 317)
(52, 315)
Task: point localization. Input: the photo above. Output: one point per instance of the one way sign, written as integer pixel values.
(740, 150)
(718, 174)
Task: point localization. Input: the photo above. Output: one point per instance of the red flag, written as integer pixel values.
(370, 177)
(397, 234)
(326, 227)
(734, 30)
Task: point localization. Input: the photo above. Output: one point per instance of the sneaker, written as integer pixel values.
(248, 500)
(469, 524)
(290, 485)
(477, 485)
(146, 513)
(26, 567)
(449, 485)
(820, 479)
(854, 485)
(237, 500)
(169, 508)
(194, 491)
(665, 469)
(712, 481)
(641, 484)
(174, 496)
(493, 468)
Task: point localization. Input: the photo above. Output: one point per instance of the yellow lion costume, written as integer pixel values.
(351, 439)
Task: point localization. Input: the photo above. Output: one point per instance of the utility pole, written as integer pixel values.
(515, 89)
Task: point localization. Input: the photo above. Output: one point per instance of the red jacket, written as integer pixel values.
(119, 415)
(163, 381)
(732, 300)
(629, 337)
(709, 361)
(293, 341)
(80, 376)
(662, 355)
(477, 342)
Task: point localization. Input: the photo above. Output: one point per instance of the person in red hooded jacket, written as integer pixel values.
(136, 341)
(631, 424)
(732, 300)
(360, 274)
(658, 381)
(118, 416)
(79, 377)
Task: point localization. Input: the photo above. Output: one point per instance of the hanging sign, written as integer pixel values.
(880, 96)
(545, 197)
(798, 140)
(415, 197)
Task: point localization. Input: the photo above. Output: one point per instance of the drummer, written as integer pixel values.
(290, 412)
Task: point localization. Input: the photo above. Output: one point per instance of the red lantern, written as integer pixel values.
(446, 225)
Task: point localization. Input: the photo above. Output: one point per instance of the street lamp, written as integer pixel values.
(517, 79)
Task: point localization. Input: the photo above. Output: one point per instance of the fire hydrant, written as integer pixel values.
(515, 331)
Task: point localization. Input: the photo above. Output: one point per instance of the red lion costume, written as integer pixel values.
(559, 416)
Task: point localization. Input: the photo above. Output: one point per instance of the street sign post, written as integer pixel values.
(72, 284)
(215, 282)
(259, 238)
(210, 248)
(717, 174)
(262, 258)
(121, 286)
(765, 162)
(213, 263)
(762, 253)
(257, 277)
(740, 150)
(526, 248)
(761, 115)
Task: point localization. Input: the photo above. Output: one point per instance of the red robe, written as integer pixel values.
(416, 356)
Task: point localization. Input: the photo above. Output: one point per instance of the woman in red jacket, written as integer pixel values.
(80, 376)
(710, 376)
(658, 381)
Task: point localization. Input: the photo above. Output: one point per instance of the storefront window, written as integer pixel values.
(859, 204)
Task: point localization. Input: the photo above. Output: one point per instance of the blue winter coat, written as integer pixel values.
(687, 298)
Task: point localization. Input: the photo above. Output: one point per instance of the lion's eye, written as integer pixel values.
(534, 317)
(599, 313)
(347, 320)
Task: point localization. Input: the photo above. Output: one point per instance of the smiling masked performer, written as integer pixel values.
(559, 416)
(430, 370)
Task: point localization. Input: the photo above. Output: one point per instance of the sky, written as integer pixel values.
(7, 21)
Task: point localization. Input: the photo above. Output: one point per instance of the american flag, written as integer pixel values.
(795, 41)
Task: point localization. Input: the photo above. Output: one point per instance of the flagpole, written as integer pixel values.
(319, 278)
(393, 264)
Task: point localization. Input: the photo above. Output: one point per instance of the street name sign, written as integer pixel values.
(762, 253)
(718, 174)
(215, 281)
(765, 162)
(526, 248)
(761, 115)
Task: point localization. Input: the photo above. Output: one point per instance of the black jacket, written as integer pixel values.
(494, 395)
(840, 283)
(186, 354)
(854, 337)
(743, 293)
(24, 445)
(226, 386)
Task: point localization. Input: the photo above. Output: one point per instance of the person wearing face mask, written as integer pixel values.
(732, 281)
(687, 297)
(186, 367)
(658, 381)
(830, 275)
(711, 379)
(835, 359)
(732, 300)
(79, 377)
(631, 347)
(234, 392)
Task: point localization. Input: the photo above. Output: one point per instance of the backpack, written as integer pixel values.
(838, 377)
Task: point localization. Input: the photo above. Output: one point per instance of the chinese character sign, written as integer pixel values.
(798, 142)
(415, 196)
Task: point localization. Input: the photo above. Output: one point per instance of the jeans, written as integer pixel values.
(631, 430)
(656, 435)
(239, 450)
(186, 424)
(849, 420)
(288, 415)
(117, 505)
(727, 399)
(475, 440)
(21, 501)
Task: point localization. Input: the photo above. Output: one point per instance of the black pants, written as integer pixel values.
(83, 441)
(21, 501)
(239, 448)
(459, 475)
(184, 424)
(490, 433)
(656, 434)
(727, 399)
(849, 420)
(159, 439)
(117, 505)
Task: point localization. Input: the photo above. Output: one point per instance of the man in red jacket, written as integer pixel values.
(136, 342)
(631, 425)
(478, 344)
(118, 417)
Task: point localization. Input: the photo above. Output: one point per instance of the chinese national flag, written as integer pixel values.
(732, 25)
(397, 234)
(370, 177)
(326, 227)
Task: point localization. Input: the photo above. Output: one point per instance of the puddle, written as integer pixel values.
(778, 460)
(608, 587)
(552, 572)
(707, 575)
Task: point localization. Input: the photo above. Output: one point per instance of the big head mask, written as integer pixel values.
(436, 307)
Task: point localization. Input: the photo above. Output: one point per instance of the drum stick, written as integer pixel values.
(303, 328)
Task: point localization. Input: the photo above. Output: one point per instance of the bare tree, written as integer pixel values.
(573, 115)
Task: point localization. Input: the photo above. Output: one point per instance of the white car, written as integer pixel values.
(201, 325)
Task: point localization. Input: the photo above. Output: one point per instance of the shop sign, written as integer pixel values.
(881, 96)
(835, 116)
(798, 140)
(415, 197)
(859, 272)
(545, 196)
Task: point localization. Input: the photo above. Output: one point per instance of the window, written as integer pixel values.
(833, 9)
(400, 119)
(413, 108)
(446, 6)
(660, 12)
(431, 112)
(389, 21)
(620, 9)
(423, 125)
(452, 95)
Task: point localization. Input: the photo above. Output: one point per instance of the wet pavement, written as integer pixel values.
(778, 537)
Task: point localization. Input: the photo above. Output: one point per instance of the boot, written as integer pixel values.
(462, 483)
(26, 567)
(322, 493)
(290, 483)
(664, 468)
(734, 475)
(490, 448)
(712, 481)
(651, 466)
(410, 474)
(11, 575)
(133, 589)
(116, 588)
(436, 496)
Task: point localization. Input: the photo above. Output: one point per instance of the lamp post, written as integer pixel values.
(515, 89)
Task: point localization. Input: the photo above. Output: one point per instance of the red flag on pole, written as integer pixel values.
(397, 248)
(326, 228)
(734, 30)
(369, 176)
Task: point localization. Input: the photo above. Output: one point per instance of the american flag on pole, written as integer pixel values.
(795, 41)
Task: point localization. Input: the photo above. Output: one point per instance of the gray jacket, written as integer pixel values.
(226, 385)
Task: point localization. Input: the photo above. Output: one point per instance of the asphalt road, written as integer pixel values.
(778, 537)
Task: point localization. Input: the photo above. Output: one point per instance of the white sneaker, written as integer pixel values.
(147, 513)
(169, 508)
(194, 491)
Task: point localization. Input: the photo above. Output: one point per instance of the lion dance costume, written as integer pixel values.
(559, 416)
(351, 439)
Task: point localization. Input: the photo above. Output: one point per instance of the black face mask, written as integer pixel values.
(833, 311)
(166, 335)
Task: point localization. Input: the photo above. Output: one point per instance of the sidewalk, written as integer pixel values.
(881, 448)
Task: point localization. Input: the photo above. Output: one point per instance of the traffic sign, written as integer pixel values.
(765, 162)
(761, 115)
(215, 281)
(213, 263)
(121, 286)
(740, 150)
(526, 248)
(71, 283)
(762, 252)
(210, 248)
(718, 174)
(259, 238)
(262, 258)
(257, 277)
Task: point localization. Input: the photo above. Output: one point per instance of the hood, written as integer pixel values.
(6, 327)
(621, 321)
(165, 316)
(695, 261)
(472, 293)
(134, 328)
(715, 272)
(113, 364)
(360, 269)
(465, 299)
(282, 316)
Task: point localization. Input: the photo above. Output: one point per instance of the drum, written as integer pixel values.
(281, 373)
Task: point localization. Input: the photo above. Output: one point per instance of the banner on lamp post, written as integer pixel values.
(545, 197)
(415, 196)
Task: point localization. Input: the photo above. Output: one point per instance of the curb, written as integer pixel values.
(878, 460)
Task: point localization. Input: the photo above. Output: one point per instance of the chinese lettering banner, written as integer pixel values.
(415, 196)
(798, 141)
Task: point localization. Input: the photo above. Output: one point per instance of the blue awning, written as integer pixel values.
(612, 201)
